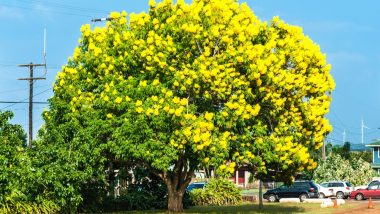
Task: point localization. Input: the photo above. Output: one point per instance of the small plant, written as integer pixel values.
(217, 192)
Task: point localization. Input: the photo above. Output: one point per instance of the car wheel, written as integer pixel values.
(272, 198)
(321, 195)
(303, 197)
(359, 197)
(340, 195)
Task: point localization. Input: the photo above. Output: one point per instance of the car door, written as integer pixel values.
(372, 190)
(331, 187)
(283, 192)
(376, 194)
(298, 188)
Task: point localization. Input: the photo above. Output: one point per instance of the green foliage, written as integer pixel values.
(145, 191)
(357, 172)
(18, 175)
(71, 174)
(14, 206)
(365, 155)
(216, 192)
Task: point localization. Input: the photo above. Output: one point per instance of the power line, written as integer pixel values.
(54, 8)
(46, 11)
(65, 6)
(21, 89)
(26, 99)
(19, 102)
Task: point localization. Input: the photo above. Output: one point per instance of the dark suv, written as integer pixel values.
(299, 189)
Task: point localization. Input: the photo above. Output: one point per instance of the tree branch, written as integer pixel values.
(199, 48)
(216, 45)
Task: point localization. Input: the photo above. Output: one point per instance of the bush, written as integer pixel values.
(357, 172)
(216, 192)
(17, 202)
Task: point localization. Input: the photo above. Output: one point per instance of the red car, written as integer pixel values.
(372, 191)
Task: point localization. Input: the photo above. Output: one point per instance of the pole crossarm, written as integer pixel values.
(31, 64)
(34, 78)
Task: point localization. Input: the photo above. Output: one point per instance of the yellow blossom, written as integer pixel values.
(138, 103)
(139, 109)
(118, 100)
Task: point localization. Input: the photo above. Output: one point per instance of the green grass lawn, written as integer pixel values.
(269, 208)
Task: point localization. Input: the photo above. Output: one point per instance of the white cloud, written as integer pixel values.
(8, 12)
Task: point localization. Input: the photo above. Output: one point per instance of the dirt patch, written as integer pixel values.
(359, 209)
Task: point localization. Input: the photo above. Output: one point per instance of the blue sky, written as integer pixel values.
(347, 31)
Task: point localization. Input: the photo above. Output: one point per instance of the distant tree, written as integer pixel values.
(365, 155)
(337, 168)
(14, 159)
(343, 151)
(187, 86)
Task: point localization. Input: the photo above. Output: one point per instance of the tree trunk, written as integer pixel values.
(261, 195)
(175, 199)
(176, 182)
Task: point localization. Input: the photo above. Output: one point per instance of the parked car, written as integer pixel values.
(299, 189)
(324, 192)
(372, 191)
(365, 186)
(196, 185)
(341, 189)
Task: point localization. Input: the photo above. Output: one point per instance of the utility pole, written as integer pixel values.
(344, 136)
(31, 80)
(324, 151)
(363, 126)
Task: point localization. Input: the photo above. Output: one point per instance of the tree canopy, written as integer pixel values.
(191, 85)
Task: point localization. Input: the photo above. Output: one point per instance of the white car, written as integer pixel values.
(324, 192)
(340, 189)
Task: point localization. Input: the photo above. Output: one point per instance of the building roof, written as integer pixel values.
(375, 165)
(374, 144)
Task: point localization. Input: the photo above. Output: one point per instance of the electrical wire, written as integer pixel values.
(46, 11)
(22, 89)
(25, 99)
(64, 6)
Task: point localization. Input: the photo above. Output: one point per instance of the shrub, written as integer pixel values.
(357, 172)
(18, 203)
(216, 192)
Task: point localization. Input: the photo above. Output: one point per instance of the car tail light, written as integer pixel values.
(347, 188)
(311, 190)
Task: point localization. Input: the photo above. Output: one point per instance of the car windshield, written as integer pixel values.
(348, 184)
(325, 184)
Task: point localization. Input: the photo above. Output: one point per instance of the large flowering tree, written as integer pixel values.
(191, 85)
